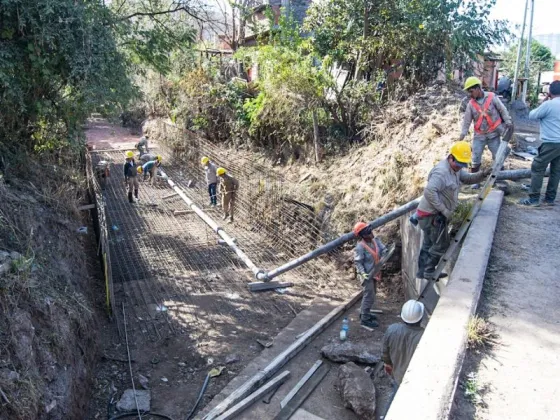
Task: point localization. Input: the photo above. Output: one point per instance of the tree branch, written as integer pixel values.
(161, 12)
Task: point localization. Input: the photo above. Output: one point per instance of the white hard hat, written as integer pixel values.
(412, 311)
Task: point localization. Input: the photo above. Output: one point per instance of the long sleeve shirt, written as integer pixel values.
(363, 260)
(210, 172)
(441, 194)
(228, 184)
(399, 343)
(148, 166)
(497, 110)
(130, 169)
(143, 143)
(549, 116)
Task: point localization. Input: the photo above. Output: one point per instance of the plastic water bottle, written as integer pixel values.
(344, 329)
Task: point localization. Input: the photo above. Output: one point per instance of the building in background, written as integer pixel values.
(551, 41)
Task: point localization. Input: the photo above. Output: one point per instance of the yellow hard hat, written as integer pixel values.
(461, 151)
(139, 169)
(129, 154)
(158, 158)
(204, 160)
(220, 171)
(472, 81)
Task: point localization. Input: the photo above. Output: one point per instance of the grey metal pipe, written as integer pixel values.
(517, 174)
(380, 221)
(216, 228)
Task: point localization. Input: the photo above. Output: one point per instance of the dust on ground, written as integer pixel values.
(516, 377)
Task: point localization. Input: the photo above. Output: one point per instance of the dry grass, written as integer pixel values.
(480, 334)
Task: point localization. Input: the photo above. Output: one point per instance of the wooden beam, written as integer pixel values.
(287, 412)
(234, 411)
(165, 197)
(260, 286)
(301, 383)
(180, 212)
(260, 377)
(86, 207)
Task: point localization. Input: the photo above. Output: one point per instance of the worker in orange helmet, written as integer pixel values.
(367, 254)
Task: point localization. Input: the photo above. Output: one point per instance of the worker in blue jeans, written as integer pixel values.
(211, 179)
(549, 152)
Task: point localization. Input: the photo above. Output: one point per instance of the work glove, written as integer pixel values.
(364, 277)
(388, 369)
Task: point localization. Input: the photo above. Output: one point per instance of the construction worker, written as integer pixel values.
(367, 254)
(150, 168)
(549, 152)
(228, 191)
(504, 87)
(130, 178)
(400, 342)
(490, 118)
(440, 199)
(211, 179)
(142, 145)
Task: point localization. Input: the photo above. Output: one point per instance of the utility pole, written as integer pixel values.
(519, 48)
(528, 57)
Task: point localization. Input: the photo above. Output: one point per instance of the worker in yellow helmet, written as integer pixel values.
(490, 118)
(211, 179)
(228, 190)
(130, 178)
(440, 199)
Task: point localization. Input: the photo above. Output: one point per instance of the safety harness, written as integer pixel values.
(483, 114)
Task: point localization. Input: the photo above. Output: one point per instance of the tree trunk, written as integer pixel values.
(316, 135)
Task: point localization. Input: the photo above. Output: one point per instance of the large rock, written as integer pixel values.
(128, 403)
(357, 390)
(349, 352)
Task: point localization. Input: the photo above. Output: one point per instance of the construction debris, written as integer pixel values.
(350, 352)
(357, 390)
(301, 383)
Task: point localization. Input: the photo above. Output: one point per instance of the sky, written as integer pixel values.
(544, 22)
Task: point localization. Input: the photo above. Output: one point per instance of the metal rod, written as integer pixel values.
(519, 48)
(216, 228)
(337, 242)
(528, 54)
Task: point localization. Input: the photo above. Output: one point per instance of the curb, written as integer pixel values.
(430, 381)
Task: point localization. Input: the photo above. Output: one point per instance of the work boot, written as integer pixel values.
(130, 200)
(225, 216)
(136, 194)
(429, 274)
(367, 322)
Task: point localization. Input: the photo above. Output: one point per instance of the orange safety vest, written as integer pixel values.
(483, 114)
(375, 254)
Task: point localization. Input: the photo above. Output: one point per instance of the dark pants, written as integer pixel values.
(549, 153)
(369, 287)
(436, 242)
(212, 193)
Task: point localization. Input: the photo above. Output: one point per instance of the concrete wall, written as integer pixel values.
(431, 379)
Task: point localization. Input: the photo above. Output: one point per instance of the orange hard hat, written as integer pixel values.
(358, 227)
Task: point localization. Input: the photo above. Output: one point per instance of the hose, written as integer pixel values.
(201, 393)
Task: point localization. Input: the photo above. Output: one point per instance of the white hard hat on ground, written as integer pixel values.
(412, 311)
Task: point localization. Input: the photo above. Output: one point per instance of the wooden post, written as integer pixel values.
(316, 135)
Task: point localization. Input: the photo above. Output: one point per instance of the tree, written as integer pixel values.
(424, 35)
(541, 60)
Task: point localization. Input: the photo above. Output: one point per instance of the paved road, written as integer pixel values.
(523, 301)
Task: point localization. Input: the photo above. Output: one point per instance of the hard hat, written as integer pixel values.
(129, 154)
(220, 171)
(361, 228)
(158, 158)
(204, 160)
(412, 311)
(461, 151)
(472, 81)
(139, 169)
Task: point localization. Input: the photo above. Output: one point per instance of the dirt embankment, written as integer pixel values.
(47, 322)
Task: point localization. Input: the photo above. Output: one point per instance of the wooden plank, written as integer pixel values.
(287, 412)
(258, 394)
(180, 212)
(276, 364)
(259, 286)
(165, 197)
(86, 207)
(301, 383)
